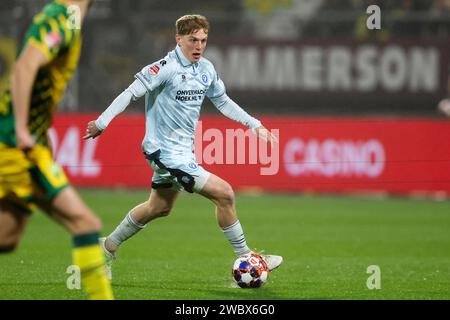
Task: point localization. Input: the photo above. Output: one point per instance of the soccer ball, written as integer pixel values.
(250, 271)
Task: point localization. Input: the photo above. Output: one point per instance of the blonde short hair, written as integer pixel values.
(190, 23)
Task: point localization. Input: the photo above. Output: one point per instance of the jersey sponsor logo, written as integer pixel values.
(153, 70)
(53, 39)
(205, 78)
(190, 95)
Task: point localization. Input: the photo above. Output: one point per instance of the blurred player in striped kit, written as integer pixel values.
(45, 63)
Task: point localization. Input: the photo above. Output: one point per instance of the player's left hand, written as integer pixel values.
(266, 135)
(92, 131)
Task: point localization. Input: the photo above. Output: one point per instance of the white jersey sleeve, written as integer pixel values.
(149, 78)
(133, 92)
(154, 75)
(218, 96)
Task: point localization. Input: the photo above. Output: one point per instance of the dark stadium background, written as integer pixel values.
(121, 37)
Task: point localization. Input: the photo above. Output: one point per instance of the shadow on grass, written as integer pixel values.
(183, 291)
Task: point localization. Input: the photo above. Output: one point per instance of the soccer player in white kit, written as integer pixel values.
(174, 89)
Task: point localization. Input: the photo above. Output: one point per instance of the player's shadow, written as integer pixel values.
(229, 293)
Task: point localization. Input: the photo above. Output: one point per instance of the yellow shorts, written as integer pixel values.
(24, 178)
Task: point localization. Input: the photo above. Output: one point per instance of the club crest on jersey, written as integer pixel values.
(192, 165)
(153, 70)
(205, 78)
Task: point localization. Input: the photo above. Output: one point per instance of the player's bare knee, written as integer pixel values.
(164, 211)
(158, 211)
(96, 222)
(88, 221)
(226, 196)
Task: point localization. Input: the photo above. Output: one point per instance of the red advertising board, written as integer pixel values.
(397, 156)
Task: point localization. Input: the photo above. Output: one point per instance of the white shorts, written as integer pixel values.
(176, 173)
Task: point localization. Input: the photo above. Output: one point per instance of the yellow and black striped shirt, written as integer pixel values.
(51, 33)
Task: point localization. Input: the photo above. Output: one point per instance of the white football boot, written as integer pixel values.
(272, 261)
(109, 258)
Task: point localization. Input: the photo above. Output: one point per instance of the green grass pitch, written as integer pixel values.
(327, 243)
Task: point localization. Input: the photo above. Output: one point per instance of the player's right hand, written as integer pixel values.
(92, 131)
(24, 140)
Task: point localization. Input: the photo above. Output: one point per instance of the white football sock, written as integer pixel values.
(235, 236)
(125, 230)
